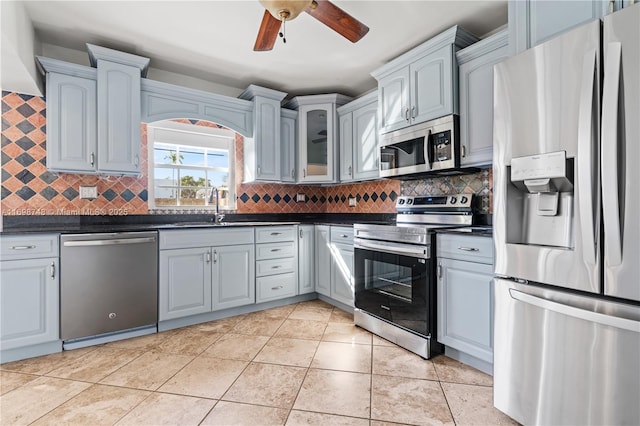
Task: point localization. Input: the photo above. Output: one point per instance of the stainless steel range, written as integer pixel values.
(395, 274)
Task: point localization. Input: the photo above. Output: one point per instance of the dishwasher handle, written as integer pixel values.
(109, 242)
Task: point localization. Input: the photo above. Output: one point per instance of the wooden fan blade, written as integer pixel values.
(338, 20)
(268, 33)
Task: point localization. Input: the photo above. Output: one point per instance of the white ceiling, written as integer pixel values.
(213, 40)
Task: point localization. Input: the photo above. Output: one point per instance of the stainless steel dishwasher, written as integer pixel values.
(108, 283)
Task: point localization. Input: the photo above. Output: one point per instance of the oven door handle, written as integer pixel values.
(421, 252)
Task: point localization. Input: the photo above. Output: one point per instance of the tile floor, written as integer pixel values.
(299, 364)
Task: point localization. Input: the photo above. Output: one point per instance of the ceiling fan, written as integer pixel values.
(278, 12)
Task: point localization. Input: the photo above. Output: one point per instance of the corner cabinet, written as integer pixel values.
(422, 84)
(205, 270)
(465, 298)
(93, 114)
(532, 22)
(29, 296)
(317, 136)
(359, 139)
(476, 98)
(262, 153)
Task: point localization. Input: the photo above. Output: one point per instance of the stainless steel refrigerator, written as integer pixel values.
(567, 227)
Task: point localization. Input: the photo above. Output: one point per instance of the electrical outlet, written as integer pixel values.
(352, 201)
(301, 198)
(89, 192)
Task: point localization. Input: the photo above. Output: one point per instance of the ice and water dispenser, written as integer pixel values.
(540, 200)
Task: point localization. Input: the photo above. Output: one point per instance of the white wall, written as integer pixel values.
(18, 72)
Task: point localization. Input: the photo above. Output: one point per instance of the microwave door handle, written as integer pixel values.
(585, 161)
(610, 144)
(427, 148)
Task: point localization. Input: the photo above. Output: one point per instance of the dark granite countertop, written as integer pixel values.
(132, 223)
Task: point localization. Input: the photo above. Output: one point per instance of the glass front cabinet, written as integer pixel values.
(318, 136)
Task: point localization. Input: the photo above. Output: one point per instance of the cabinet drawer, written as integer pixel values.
(275, 266)
(342, 234)
(272, 234)
(16, 247)
(470, 248)
(275, 251)
(192, 238)
(275, 287)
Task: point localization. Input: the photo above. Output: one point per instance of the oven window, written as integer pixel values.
(389, 279)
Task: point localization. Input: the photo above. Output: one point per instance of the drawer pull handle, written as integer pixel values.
(278, 287)
(276, 233)
(468, 249)
(386, 308)
(276, 267)
(344, 236)
(22, 247)
(275, 249)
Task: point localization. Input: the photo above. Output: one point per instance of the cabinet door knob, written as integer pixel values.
(413, 112)
(349, 170)
(304, 173)
(301, 234)
(464, 151)
(439, 271)
(293, 173)
(92, 158)
(406, 114)
(208, 257)
(136, 161)
(215, 256)
(53, 270)
(258, 170)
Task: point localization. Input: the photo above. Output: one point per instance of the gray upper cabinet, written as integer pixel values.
(359, 139)
(422, 84)
(476, 98)
(532, 22)
(71, 117)
(262, 153)
(288, 129)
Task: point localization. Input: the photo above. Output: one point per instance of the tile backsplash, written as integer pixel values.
(29, 189)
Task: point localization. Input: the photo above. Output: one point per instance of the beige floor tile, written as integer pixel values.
(405, 400)
(450, 370)
(10, 381)
(279, 312)
(396, 361)
(224, 325)
(98, 405)
(166, 409)
(149, 371)
(96, 365)
(237, 346)
(302, 418)
(44, 364)
(261, 326)
(267, 384)
(312, 312)
(205, 377)
(301, 329)
(232, 413)
(346, 333)
(143, 343)
(379, 423)
(335, 392)
(473, 405)
(188, 342)
(35, 399)
(317, 303)
(343, 357)
(294, 352)
(379, 341)
(338, 315)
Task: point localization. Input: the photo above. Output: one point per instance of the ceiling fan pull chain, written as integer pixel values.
(283, 33)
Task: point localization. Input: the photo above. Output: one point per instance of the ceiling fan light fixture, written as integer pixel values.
(285, 10)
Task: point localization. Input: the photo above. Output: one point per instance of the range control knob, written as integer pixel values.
(401, 201)
(463, 199)
(410, 201)
(453, 200)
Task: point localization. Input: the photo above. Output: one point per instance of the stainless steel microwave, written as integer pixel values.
(426, 148)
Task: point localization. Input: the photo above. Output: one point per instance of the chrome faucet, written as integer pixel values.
(218, 218)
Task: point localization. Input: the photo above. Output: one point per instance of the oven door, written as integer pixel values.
(392, 283)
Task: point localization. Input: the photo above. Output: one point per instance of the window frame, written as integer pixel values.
(191, 136)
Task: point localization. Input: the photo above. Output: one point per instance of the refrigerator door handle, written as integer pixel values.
(561, 308)
(610, 146)
(585, 153)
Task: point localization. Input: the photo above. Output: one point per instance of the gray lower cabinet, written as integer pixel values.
(29, 297)
(204, 271)
(276, 262)
(323, 259)
(342, 274)
(306, 259)
(465, 296)
(476, 98)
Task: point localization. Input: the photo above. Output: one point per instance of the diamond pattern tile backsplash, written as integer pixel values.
(28, 188)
